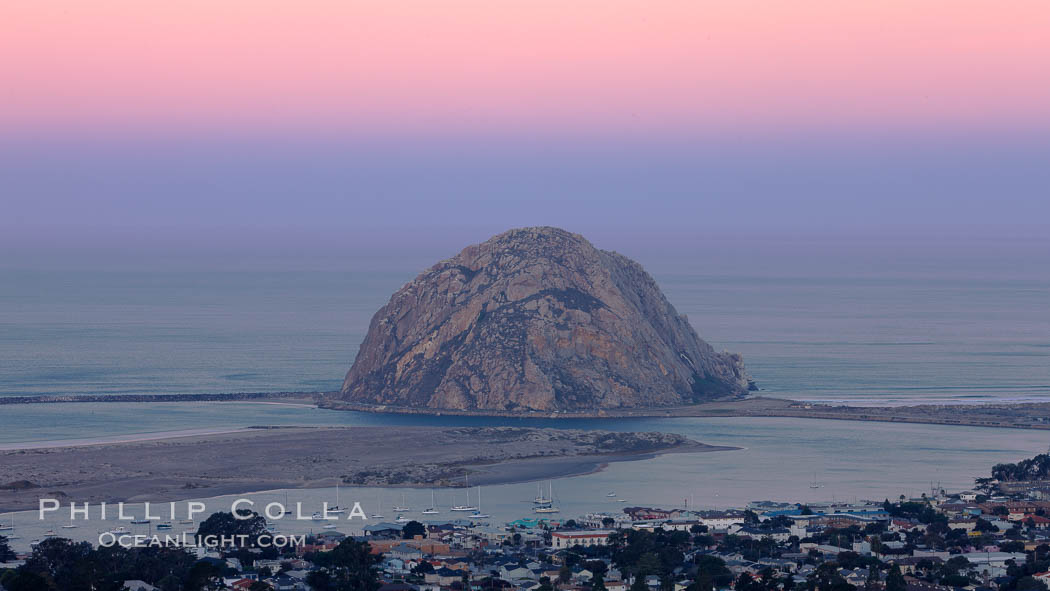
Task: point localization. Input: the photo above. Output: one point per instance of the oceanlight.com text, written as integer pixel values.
(186, 540)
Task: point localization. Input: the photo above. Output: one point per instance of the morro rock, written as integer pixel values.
(536, 319)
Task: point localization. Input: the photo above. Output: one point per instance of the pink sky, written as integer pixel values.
(495, 66)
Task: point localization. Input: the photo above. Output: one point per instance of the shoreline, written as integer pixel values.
(1024, 415)
(1012, 415)
(263, 458)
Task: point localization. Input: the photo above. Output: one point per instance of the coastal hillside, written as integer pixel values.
(536, 319)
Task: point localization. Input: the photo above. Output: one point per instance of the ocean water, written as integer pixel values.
(780, 459)
(897, 336)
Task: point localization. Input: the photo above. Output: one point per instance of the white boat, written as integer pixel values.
(611, 495)
(464, 508)
(165, 525)
(478, 514)
(379, 503)
(119, 530)
(329, 526)
(402, 508)
(50, 534)
(540, 499)
(336, 509)
(317, 516)
(431, 510)
(8, 527)
(548, 507)
(190, 521)
(70, 526)
(402, 519)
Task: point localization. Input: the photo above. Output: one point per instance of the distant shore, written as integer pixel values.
(1011, 416)
(208, 465)
(1026, 415)
(219, 397)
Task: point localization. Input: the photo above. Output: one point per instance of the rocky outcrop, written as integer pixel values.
(536, 319)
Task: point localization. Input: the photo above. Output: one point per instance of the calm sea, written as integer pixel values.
(881, 338)
(885, 338)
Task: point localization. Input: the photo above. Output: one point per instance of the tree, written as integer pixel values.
(1024, 584)
(352, 566)
(319, 580)
(24, 580)
(564, 573)
(598, 582)
(251, 525)
(201, 576)
(412, 529)
(5, 550)
(895, 580)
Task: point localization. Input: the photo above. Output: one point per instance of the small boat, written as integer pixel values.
(336, 509)
(119, 530)
(478, 514)
(431, 510)
(464, 508)
(402, 508)
(329, 526)
(548, 507)
(50, 534)
(402, 519)
(8, 527)
(540, 499)
(317, 516)
(621, 500)
(70, 526)
(379, 503)
(611, 495)
(140, 522)
(165, 525)
(185, 522)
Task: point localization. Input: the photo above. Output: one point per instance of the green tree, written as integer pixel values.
(5, 550)
(412, 529)
(598, 582)
(352, 566)
(249, 524)
(564, 573)
(895, 580)
(24, 580)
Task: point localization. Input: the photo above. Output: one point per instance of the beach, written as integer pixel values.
(212, 464)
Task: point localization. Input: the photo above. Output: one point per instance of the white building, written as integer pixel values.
(591, 537)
